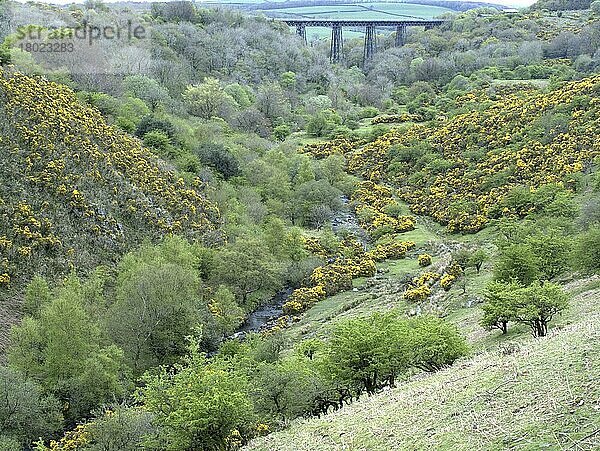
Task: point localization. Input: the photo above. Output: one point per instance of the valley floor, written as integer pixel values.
(523, 394)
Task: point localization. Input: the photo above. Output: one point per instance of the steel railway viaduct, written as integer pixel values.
(337, 40)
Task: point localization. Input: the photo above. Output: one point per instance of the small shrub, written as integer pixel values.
(425, 260)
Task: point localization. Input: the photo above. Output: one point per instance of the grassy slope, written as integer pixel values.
(537, 394)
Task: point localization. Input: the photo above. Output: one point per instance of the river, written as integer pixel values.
(265, 316)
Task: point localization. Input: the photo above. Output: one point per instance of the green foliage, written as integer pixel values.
(201, 405)
(372, 350)
(26, 413)
(37, 294)
(119, 428)
(219, 158)
(498, 308)
(314, 203)
(281, 132)
(323, 123)
(207, 99)
(434, 343)
(157, 303)
(8, 443)
(249, 269)
(357, 352)
(147, 89)
(529, 251)
(282, 389)
(517, 263)
(240, 94)
(254, 80)
(154, 124)
(552, 251)
(63, 351)
(228, 315)
(477, 259)
(158, 142)
(587, 251)
(561, 5)
(534, 305)
(537, 304)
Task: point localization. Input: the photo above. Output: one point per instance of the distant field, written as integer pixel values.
(367, 10)
(375, 11)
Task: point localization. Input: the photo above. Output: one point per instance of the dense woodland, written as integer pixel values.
(145, 215)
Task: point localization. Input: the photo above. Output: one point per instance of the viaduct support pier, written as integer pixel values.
(370, 26)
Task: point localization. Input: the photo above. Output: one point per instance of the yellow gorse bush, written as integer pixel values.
(416, 294)
(427, 278)
(424, 260)
(394, 250)
(465, 194)
(446, 281)
(105, 178)
(371, 199)
(396, 118)
(71, 441)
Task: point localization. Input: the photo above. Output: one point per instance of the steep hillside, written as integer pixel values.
(490, 161)
(76, 192)
(530, 394)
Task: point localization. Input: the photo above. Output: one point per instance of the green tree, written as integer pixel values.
(207, 99)
(288, 80)
(62, 350)
(280, 389)
(323, 123)
(249, 269)
(355, 352)
(462, 257)
(587, 251)
(227, 313)
(477, 259)
(281, 132)
(147, 89)
(156, 305)
(537, 304)
(519, 263)
(218, 157)
(305, 172)
(240, 94)
(25, 412)
(312, 195)
(499, 308)
(37, 294)
(434, 343)
(200, 405)
(369, 351)
(160, 143)
(120, 428)
(552, 250)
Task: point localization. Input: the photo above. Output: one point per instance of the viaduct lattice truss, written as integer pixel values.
(337, 40)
